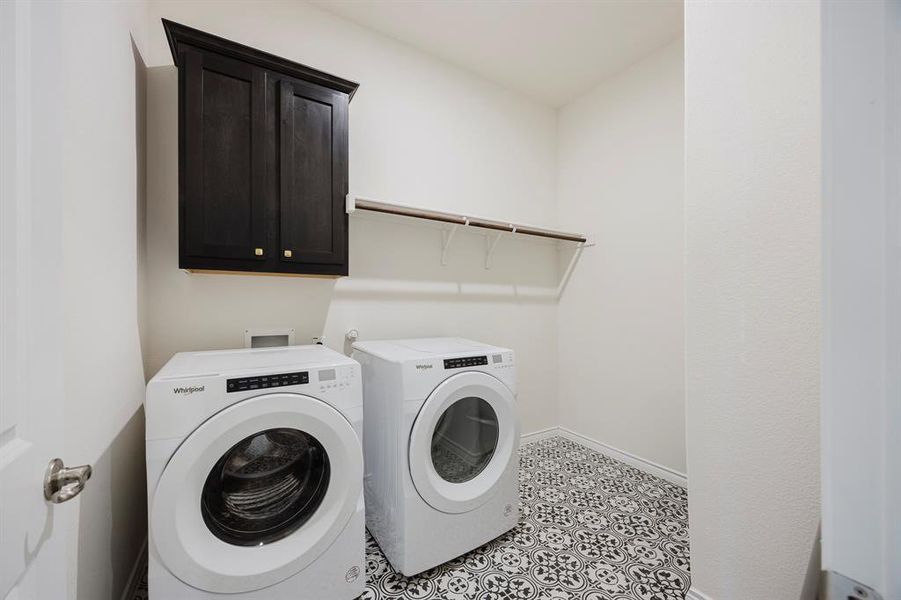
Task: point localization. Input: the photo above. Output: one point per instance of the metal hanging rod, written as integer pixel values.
(354, 203)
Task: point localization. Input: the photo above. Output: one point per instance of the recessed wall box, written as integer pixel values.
(268, 337)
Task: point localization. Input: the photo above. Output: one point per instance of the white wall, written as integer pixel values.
(99, 94)
(421, 132)
(752, 280)
(862, 289)
(620, 178)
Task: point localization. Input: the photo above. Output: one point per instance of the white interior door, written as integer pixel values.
(861, 392)
(32, 530)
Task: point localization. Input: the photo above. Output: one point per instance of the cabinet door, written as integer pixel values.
(221, 201)
(313, 176)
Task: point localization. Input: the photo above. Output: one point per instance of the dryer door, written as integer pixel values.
(257, 493)
(462, 441)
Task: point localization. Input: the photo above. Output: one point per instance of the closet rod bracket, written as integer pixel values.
(447, 237)
(489, 252)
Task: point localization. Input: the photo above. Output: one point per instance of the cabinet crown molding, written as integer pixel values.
(178, 34)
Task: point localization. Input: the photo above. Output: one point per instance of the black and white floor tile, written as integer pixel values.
(141, 592)
(592, 528)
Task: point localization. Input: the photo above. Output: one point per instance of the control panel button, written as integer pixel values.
(467, 361)
(243, 384)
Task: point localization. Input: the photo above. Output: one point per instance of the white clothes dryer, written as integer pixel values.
(254, 476)
(441, 441)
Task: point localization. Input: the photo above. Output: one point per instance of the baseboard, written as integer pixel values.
(541, 434)
(695, 594)
(136, 571)
(638, 462)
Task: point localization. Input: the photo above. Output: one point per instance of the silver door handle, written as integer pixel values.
(62, 483)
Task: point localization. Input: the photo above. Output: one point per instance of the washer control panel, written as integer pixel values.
(467, 361)
(242, 384)
(334, 379)
(502, 361)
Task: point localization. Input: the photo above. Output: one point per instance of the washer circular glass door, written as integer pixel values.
(265, 487)
(463, 441)
(257, 493)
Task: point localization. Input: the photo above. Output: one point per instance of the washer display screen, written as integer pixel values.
(265, 487)
(464, 440)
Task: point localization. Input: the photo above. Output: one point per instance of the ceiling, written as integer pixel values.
(549, 50)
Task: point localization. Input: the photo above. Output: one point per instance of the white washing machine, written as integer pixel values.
(254, 476)
(441, 447)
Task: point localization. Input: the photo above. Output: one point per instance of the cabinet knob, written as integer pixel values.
(258, 251)
(288, 254)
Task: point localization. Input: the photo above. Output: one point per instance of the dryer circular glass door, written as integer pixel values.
(462, 441)
(257, 493)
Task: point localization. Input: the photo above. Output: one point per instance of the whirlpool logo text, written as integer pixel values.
(188, 390)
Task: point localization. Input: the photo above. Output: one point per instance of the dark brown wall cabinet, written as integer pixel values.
(262, 159)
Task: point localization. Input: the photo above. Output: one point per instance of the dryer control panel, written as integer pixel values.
(242, 384)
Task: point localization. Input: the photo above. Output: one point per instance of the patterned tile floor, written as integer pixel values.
(592, 528)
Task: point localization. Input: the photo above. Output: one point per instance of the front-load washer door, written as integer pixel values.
(462, 441)
(257, 493)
